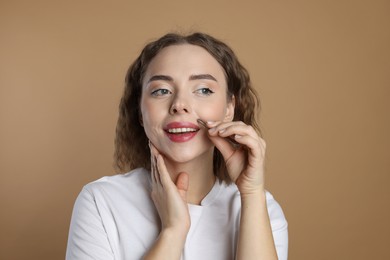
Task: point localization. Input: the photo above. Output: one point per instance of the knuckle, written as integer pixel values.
(262, 141)
(258, 145)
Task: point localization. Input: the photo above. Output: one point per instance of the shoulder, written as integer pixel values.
(135, 179)
(131, 187)
(110, 195)
(275, 212)
(278, 225)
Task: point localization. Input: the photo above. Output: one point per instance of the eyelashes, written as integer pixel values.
(164, 92)
(161, 92)
(204, 91)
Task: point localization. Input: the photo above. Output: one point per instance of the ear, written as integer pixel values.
(230, 109)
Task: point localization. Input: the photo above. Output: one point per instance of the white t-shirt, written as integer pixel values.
(115, 218)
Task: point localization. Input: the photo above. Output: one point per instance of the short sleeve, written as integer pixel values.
(279, 227)
(87, 236)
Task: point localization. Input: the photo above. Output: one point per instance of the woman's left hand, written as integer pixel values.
(244, 158)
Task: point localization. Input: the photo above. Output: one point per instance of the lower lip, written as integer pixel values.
(181, 138)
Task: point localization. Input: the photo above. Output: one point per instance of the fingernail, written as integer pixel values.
(212, 130)
(237, 136)
(210, 122)
(221, 131)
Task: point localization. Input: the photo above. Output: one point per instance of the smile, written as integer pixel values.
(181, 130)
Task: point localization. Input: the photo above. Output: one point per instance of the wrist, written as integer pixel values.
(255, 195)
(174, 233)
(245, 191)
(169, 245)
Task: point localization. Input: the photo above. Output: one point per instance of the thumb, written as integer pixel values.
(182, 183)
(223, 145)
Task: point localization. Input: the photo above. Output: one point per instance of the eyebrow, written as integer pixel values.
(203, 76)
(160, 77)
(192, 77)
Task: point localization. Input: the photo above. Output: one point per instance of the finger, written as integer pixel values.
(182, 184)
(238, 129)
(153, 154)
(223, 123)
(152, 168)
(156, 171)
(153, 149)
(213, 124)
(214, 131)
(255, 147)
(210, 124)
(163, 174)
(214, 127)
(224, 146)
(231, 128)
(151, 165)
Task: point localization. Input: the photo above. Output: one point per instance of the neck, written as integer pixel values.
(201, 176)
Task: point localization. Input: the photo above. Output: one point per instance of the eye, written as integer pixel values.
(161, 92)
(204, 91)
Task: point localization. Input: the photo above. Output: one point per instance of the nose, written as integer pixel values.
(179, 105)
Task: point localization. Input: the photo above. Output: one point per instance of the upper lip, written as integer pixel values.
(181, 125)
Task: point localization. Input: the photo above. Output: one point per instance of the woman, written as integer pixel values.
(187, 132)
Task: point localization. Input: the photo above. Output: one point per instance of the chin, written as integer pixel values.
(181, 157)
(187, 155)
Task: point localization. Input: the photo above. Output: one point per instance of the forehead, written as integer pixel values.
(185, 60)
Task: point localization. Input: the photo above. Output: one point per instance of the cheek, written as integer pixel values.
(148, 110)
(215, 111)
(151, 118)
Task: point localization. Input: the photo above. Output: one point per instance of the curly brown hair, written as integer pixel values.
(131, 142)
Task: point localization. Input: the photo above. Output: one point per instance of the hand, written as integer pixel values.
(245, 161)
(169, 198)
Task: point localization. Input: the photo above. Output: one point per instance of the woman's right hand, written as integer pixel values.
(169, 198)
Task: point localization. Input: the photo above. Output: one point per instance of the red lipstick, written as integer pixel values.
(180, 132)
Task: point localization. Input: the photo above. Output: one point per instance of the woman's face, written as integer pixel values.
(181, 84)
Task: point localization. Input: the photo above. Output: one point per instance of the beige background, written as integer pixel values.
(322, 68)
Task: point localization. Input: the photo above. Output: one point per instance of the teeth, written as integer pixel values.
(181, 130)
